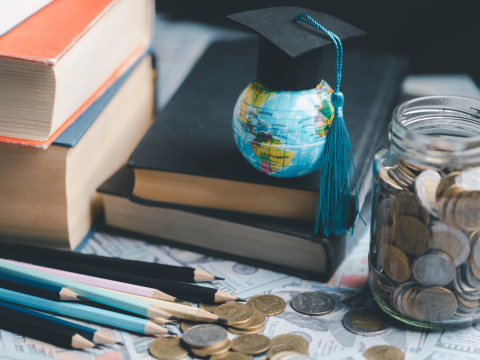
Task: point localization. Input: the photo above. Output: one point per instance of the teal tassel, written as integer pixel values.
(336, 164)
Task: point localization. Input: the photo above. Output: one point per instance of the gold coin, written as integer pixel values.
(270, 305)
(407, 204)
(253, 344)
(413, 168)
(399, 178)
(411, 235)
(467, 211)
(404, 169)
(234, 313)
(407, 301)
(384, 235)
(282, 348)
(451, 206)
(213, 350)
(231, 355)
(435, 304)
(395, 263)
(446, 182)
(383, 352)
(290, 339)
(245, 332)
(384, 178)
(257, 321)
(282, 355)
(384, 212)
(185, 325)
(475, 248)
(208, 307)
(168, 348)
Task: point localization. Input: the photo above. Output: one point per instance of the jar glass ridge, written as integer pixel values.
(424, 261)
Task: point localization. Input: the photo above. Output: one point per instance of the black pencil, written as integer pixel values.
(178, 273)
(37, 288)
(180, 290)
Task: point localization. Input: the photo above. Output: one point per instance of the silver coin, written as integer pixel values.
(313, 303)
(475, 243)
(426, 186)
(450, 241)
(433, 269)
(471, 278)
(399, 178)
(366, 322)
(204, 335)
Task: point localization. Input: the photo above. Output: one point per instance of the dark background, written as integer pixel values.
(435, 36)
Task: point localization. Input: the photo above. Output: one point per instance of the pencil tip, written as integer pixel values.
(222, 320)
(83, 298)
(218, 278)
(173, 317)
(120, 343)
(240, 299)
(172, 333)
(170, 323)
(178, 300)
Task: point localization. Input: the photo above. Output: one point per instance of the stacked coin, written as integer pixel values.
(285, 345)
(425, 245)
(242, 319)
(206, 340)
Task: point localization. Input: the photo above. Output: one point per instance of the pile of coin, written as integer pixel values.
(206, 340)
(425, 246)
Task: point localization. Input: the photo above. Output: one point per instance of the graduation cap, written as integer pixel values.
(290, 52)
(290, 56)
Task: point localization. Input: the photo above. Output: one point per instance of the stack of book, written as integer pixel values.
(76, 96)
(187, 182)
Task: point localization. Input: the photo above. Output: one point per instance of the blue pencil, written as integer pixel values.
(14, 312)
(102, 296)
(37, 288)
(86, 313)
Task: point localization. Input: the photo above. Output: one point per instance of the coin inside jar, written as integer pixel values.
(168, 348)
(234, 313)
(411, 235)
(385, 178)
(426, 185)
(201, 336)
(384, 212)
(446, 182)
(467, 211)
(406, 204)
(395, 263)
(475, 246)
(383, 352)
(433, 269)
(435, 304)
(313, 303)
(290, 339)
(274, 350)
(367, 322)
(450, 241)
(270, 305)
(384, 235)
(253, 344)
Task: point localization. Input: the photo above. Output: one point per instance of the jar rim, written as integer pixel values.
(458, 116)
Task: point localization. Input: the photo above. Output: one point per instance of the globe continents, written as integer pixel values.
(282, 133)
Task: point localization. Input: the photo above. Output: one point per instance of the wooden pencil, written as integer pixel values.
(178, 273)
(191, 292)
(38, 288)
(90, 292)
(86, 313)
(41, 319)
(179, 310)
(101, 283)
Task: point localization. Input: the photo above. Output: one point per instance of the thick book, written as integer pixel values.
(48, 197)
(60, 60)
(14, 12)
(188, 159)
(280, 246)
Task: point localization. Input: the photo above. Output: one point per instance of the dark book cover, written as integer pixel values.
(121, 183)
(193, 134)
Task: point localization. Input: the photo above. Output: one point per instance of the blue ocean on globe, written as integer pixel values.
(282, 133)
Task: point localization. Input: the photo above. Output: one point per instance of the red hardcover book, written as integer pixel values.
(60, 60)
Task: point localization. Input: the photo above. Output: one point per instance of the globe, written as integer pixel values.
(282, 133)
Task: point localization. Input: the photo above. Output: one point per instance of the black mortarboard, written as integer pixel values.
(290, 52)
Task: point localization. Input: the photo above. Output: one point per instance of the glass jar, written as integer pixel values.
(424, 259)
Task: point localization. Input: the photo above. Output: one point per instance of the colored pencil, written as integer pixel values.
(29, 326)
(86, 313)
(180, 290)
(179, 310)
(41, 319)
(90, 292)
(101, 283)
(37, 288)
(178, 273)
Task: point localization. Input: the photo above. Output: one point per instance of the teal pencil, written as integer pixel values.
(86, 313)
(95, 294)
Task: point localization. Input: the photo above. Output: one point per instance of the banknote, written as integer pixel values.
(430, 355)
(459, 342)
(345, 355)
(240, 279)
